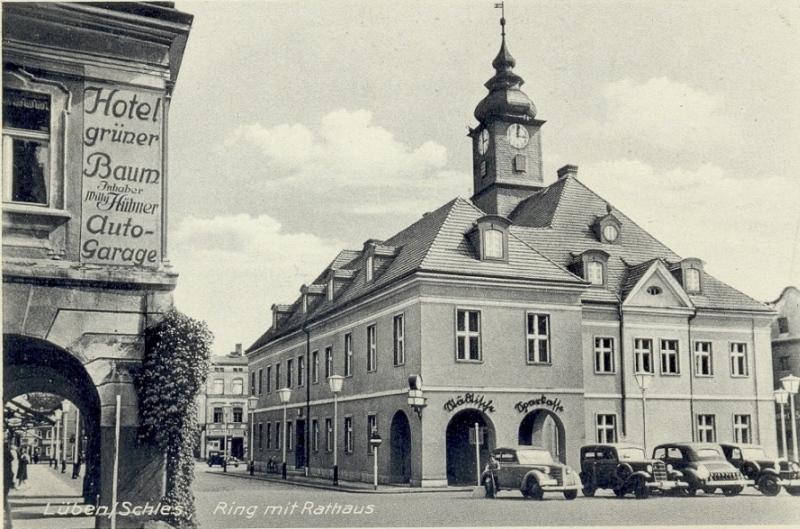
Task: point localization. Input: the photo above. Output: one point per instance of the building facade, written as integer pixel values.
(786, 350)
(527, 312)
(222, 408)
(86, 96)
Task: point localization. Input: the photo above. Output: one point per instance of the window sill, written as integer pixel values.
(605, 372)
(740, 376)
(704, 376)
(546, 364)
(44, 211)
(461, 361)
(670, 374)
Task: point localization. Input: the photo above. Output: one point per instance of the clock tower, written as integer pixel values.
(506, 144)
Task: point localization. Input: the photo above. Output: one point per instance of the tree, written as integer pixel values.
(174, 370)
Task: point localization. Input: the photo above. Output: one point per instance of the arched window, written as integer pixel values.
(493, 244)
(594, 272)
(692, 280)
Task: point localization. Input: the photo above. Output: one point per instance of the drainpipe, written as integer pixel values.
(308, 399)
(757, 425)
(691, 372)
(622, 365)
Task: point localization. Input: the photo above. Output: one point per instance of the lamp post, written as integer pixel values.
(781, 398)
(284, 394)
(335, 382)
(791, 384)
(375, 441)
(252, 401)
(643, 380)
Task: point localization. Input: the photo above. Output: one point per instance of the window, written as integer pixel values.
(278, 437)
(538, 338)
(703, 359)
(520, 163)
(268, 379)
(670, 364)
(594, 272)
(783, 325)
(654, 290)
(261, 435)
(219, 386)
(741, 429)
(315, 366)
(692, 279)
(468, 335)
(219, 415)
(348, 354)
(278, 376)
(643, 355)
(483, 167)
(603, 355)
(706, 430)
(328, 434)
(301, 370)
(289, 436)
(26, 147)
(237, 414)
(219, 369)
(348, 435)
(399, 326)
(606, 428)
(253, 382)
(269, 435)
(372, 426)
(739, 359)
(372, 348)
(493, 244)
(238, 386)
(783, 363)
(329, 289)
(315, 435)
(369, 267)
(289, 372)
(328, 361)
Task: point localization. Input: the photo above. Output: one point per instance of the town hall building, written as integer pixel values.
(527, 310)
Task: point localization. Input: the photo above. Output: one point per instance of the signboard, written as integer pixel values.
(122, 180)
(470, 399)
(481, 436)
(551, 403)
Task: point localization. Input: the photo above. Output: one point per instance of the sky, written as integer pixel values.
(301, 128)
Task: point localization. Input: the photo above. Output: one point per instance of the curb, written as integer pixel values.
(345, 488)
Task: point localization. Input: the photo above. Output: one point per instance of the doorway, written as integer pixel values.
(400, 449)
(462, 467)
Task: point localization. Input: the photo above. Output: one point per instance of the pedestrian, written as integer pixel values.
(22, 472)
(14, 465)
(8, 474)
(35, 456)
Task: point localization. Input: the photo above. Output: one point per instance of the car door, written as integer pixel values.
(512, 472)
(606, 466)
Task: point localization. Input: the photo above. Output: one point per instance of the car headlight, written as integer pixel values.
(702, 472)
(669, 468)
(567, 470)
(649, 469)
(794, 466)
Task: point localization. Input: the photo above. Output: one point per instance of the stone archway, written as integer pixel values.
(34, 365)
(400, 448)
(460, 441)
(544, 428)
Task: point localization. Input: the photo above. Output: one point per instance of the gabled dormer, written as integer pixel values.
(607, 228)
(489, 237)
(280, 313)
(311, 295)
(377, 256)
(689, 272)
(337, 279)
(652, 285)
(592, 265)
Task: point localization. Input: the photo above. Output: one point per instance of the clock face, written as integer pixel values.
(610, 233)
(517, 136)
(483, 142)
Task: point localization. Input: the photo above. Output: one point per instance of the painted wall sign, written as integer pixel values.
(553, 404)
(122, 187)
(478, 401)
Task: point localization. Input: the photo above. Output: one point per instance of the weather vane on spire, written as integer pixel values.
(501, 6)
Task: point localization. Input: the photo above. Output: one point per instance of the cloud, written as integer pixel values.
(667, 114)
(745, 229)
(233, 268)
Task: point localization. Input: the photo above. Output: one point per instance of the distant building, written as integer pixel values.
(222, 408)
(786, 346)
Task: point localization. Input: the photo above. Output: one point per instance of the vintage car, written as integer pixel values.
(531, 470)
(217, 458)
(768, 473)
(703, 466)
(625, 468)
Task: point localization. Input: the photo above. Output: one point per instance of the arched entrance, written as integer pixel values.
(544, 428)
(33, 365)
(460, 439)
(400, 448)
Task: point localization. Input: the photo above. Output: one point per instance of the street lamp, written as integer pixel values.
(252, 401)
(284, 394)
(643, 380)
(791, 384)
(416, 399)
(781, 398)
(335, 382)
(375, 441)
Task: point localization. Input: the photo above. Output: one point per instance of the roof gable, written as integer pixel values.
(657, 288)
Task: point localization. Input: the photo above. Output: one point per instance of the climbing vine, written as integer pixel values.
(173, 372)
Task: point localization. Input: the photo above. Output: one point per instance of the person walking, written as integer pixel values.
(22, 471)
(14, 465)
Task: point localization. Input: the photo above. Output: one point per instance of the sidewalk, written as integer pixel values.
(298, 479)
(34, 505)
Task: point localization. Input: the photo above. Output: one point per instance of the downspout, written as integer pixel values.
(308, 398)
(622, 365)
(757, 429)
(691, 372)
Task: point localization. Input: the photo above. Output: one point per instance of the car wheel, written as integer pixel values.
(589, 489)
(619, 492)
(769, 486)
(794, 491)
(491, 491)
(534, 490)
(570, 494)
(691, 490)
(640, 489)
(733, 491)
(709, 490)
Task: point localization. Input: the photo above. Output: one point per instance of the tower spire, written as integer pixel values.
(501, 6)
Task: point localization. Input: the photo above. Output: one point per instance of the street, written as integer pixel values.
(266, 504)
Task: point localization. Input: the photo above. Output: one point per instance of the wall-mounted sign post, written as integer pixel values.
(478, 452)
(375, 441)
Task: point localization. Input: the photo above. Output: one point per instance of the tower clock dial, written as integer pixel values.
(483, 142)
(517, 135)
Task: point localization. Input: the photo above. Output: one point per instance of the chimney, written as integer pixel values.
(238, 349)
(567, 170)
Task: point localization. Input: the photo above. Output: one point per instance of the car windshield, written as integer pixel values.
(754, 453)
(534, 457)
(631, 454)
(708, 454)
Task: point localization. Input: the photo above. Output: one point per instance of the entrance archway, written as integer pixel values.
(544, 428)
(460, 441)
(34, 365)
(400, 448)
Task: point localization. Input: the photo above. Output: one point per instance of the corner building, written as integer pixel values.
(527, 310)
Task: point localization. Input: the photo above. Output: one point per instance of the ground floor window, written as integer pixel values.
(278, 439)
(606, 428)
(348, 435)
(289, 436)
(706, 429)
(260, 436)
(328, 434)
(372, 426)
(741, 429)
(315, 435)
(269, 435)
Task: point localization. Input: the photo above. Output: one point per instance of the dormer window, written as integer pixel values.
(610, 233)
(692, 280)
(369, 267)
(607, 228)
(493, 244)
(594, 272)
(305, 303)
(691, 275)
(592, 266)
(329, 289)
(489, 237)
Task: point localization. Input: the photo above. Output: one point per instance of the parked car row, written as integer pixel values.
(675, 468)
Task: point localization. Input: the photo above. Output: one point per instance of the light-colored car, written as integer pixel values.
(530, 470)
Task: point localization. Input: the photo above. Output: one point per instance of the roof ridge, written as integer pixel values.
(451, 205)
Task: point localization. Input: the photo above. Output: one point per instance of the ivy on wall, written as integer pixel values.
(174, 370)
